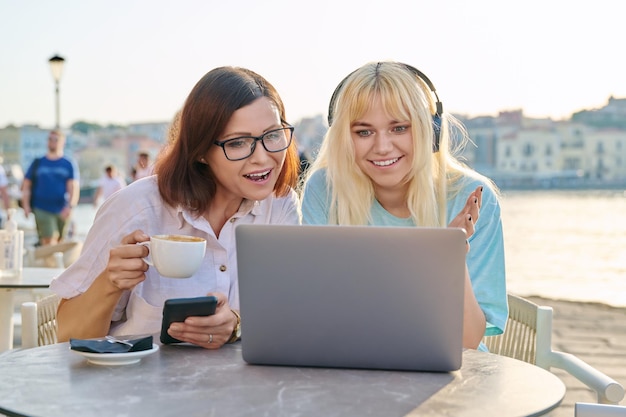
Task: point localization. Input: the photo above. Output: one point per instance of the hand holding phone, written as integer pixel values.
(178, 309)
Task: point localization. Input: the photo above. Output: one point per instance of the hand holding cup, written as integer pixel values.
(175, 256)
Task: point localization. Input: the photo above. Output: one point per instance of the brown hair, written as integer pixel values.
(182, 179)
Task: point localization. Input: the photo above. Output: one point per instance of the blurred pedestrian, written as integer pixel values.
(50, 190)
(109, 183)
(143, 168)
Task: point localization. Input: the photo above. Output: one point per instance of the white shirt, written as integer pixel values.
(143, 172)
(139, 206)
(110, 185)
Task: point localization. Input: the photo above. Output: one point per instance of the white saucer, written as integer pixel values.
(114, 359)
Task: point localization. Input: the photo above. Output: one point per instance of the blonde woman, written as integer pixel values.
(388, 160)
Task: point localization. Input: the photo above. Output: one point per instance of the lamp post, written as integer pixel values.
(56, 66)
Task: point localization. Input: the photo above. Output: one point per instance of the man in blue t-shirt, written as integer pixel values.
(51, 191)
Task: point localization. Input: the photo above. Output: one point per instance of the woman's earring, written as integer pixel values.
(203, 160)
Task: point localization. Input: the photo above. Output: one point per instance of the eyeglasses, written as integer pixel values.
(242, 147)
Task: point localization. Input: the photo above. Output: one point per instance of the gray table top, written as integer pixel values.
(30, 278)
(190, 381)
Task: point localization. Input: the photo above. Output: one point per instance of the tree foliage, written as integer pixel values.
(85, 127)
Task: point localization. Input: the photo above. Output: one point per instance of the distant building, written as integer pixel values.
(309, 133)
(510, 148)
(156, 131)
(605, 155)
(542, 152)
(21, 145)
(611, 115)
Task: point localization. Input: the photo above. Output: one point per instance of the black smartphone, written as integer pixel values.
(178, 309)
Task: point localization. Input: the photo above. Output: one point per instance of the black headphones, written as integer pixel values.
(419, 74)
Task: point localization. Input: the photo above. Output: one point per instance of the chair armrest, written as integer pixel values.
(609, 391)
(598, 410)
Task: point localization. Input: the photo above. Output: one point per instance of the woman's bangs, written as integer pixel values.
(361, 104)
(394, 101)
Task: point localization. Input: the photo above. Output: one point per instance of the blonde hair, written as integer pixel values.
(434, 176)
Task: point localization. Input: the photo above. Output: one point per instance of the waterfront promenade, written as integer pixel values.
(596, 333)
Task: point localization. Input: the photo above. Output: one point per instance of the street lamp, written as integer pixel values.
(56, 66)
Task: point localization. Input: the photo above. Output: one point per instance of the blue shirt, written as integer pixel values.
(50, 180)
(485, 260)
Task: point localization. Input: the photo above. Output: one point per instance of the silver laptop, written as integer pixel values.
(352, 296)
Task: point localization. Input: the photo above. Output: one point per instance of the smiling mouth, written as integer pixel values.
(259, 176)
(385, 163)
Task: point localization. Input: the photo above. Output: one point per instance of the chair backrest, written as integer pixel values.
(39, 323)
(528, 337)
(519, 341)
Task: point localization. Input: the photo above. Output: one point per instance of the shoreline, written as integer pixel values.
(546, 300)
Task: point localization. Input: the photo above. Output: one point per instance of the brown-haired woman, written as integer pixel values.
(234, 161)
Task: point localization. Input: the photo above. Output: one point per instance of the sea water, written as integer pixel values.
(566, 244)
(559, 244)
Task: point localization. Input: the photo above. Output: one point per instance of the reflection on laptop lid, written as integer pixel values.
(352, 296)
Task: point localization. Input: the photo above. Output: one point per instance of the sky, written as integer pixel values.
(135, 61)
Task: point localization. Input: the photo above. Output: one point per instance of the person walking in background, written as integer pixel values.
(4, 193)
(234, 161)
(51, 190)
(386, 160)
(109, 183)
(143, 168)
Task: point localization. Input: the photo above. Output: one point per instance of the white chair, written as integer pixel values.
(598, 410)
(39, 323)
(528, 337)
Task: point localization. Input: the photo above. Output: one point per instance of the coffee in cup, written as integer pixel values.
(175, 256)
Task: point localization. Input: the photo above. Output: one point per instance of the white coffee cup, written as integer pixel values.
(175, 256)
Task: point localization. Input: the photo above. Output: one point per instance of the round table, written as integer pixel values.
(28, 279)
(191, 381)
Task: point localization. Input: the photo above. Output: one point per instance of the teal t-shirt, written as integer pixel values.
(485, 260)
